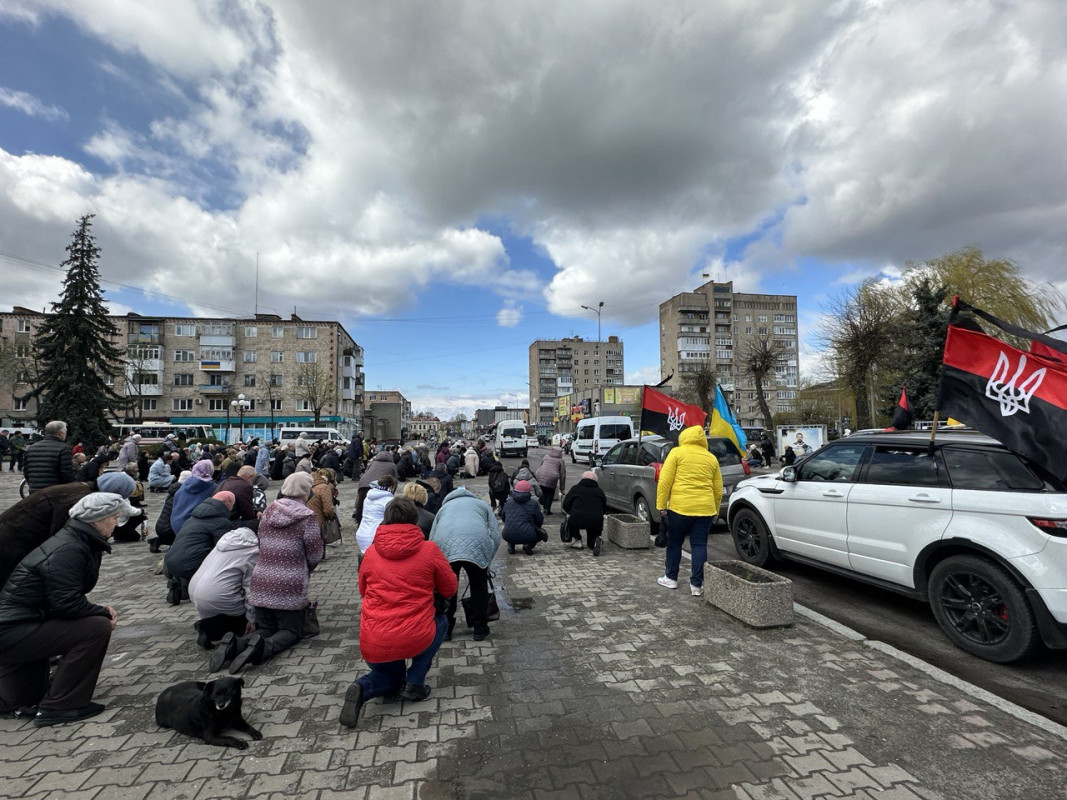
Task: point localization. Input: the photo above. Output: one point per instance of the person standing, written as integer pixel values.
(466, 531)
(551, 475)
(49, 461)
(499, 486)
(17, 446)
(398, 619)
(128, 452)
(586, 504)
(688, 497)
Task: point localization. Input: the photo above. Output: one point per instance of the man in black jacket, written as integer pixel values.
(49, 461)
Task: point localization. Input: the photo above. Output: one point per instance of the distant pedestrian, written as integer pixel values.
(17, 448)
(585, 505)
(551, 475)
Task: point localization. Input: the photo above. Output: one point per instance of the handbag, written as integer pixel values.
(565, 529)
(311, 620)
(331, 530)
(492, 611)
(661, 537)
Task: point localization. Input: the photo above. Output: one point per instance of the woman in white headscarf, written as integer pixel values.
(44, 612)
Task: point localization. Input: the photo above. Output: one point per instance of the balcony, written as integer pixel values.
(214, 389)
(217, 366)
(217, 341)
(144, 338)
(348, 394)
(143, 365)
(144, 390)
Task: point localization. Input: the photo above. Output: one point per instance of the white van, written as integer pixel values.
(594, 436)
(332, 435)
(511, 438)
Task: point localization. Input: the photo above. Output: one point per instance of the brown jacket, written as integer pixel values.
(321, 500)
(30, 522)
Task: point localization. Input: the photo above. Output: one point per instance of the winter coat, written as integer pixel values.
(321, 500)
(470, 462)
(47, 463)
(288, 465)
(127, 454)
(499, 483)
(305, 465)
(523, 517)
(190, 494)
(433, 499)
(197, 537)
(263, 461)
(301, 446)
(164, 530)
(397, 580)
(30, 522)
(52, 582)
(552, 472)
(524, 474)
(425, 522)
(690, 482)
(465, 529)
(442, 455)
(586, 503)
(485, 461)
(160, 475)
(243, 507)
(290, 547)
(373, 512)
(221, 584)
(440, 472)
(381, 465)
(330, 460)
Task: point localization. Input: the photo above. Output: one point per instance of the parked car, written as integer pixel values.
(963, 523)
(628, 473)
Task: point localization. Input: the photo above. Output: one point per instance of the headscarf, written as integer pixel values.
(226, 498)
(116, 483)
(186, 475)
(590, 475)
(101, 505)
(297, 485)
(203, 470)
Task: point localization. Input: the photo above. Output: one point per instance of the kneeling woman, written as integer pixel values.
(44, 612)
(398, 621)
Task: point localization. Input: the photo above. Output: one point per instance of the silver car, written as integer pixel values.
(628, 473)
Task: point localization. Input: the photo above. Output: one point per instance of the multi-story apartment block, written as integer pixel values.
(711, 325)
(188, 370)
(560, 367)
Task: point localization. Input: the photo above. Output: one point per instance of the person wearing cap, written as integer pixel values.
(128, 452)
(585, 506)
(44, 612)
(290, 547)
(30, 522)
(523, 518)
(197, 537)
(192, 493)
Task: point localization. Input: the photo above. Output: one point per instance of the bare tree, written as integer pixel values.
(756, 359)
(315, 386)
(698, 388)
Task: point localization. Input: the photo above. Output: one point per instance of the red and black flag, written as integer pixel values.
(902, 415)
(666, 416)
(1016, 397)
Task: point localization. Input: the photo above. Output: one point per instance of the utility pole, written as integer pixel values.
(599, 376)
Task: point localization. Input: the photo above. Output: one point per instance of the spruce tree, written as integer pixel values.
(75, 349)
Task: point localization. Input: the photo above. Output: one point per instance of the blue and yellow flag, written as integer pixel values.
(724, 423)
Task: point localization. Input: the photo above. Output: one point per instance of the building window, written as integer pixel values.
(22, 326)
(182, 404)
(275, 380)
(215, 354)
(277, 331)
(303, 405)
(762, 317)
(217, 329)
(148, 404)
(251, 332)
(251, 405)
(183, 379)
(307, 332)
(306, 357)
(275, 405)
(20, 404)
(216, 404)
(22, 351)
(276, 356)
(250, 380)
(250, 356)
(185, 330)
(181, 356)
(144, 379)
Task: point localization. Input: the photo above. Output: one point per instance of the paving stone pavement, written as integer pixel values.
(607, 687)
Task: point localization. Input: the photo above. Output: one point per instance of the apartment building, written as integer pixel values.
(560, 367)
(708, 326)
(188, 370)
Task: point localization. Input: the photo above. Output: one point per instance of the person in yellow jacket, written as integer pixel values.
(688, 497)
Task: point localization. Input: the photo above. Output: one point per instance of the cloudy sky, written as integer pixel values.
(453, 180)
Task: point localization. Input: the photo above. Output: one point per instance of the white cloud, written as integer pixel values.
(30, 105)
(510, 315)
(643, 375)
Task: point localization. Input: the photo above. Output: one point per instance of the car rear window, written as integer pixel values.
(996, 471)
(615, 431)
(724, 451)
(585, 433)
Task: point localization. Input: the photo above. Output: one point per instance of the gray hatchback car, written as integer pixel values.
(627, 473)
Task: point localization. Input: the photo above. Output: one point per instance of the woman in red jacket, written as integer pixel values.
(397, 580)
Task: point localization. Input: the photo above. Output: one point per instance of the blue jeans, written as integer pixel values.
(696, 528)
(388, 677)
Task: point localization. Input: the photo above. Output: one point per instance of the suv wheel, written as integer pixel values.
(752, 540)
(982, 609)
(573, 459)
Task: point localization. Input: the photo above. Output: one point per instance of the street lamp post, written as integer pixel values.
(240, 405)
(599, 373)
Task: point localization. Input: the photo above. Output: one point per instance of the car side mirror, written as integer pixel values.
(788, 474)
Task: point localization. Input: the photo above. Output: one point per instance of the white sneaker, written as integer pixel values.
(577, 544)
(665, 581)
(696, 591)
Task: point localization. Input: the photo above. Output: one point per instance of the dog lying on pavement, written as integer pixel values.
(205, 710)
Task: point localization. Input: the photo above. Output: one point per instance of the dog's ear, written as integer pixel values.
(209, 687)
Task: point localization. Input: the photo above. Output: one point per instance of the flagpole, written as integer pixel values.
(933, 431)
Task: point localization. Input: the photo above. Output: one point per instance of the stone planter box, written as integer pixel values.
(627, 531)
(755, 596)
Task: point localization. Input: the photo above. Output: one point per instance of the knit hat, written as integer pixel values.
(116, 483)
(226, 498)
(297, 485)
(203, 470)
(186, 475)
(590, 475)
(522, 486)
(101, 505)
(136, 437)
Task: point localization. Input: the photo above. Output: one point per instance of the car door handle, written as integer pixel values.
(923, 498)
(832, 493)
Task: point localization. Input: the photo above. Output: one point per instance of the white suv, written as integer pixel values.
(967, 525)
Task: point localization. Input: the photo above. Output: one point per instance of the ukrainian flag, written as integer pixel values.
(723, 423)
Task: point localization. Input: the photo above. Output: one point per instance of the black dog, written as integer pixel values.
(205, 710)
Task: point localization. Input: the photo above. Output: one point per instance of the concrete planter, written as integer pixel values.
(627, 531)
(755, 596)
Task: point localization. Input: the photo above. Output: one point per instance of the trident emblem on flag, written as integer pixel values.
(1012, 397)
(675, 418)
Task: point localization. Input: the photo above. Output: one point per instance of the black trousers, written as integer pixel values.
(592, 530)
(82, 643)
(280, 631)
(217, 626)
(478, 578)
(548, 495)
